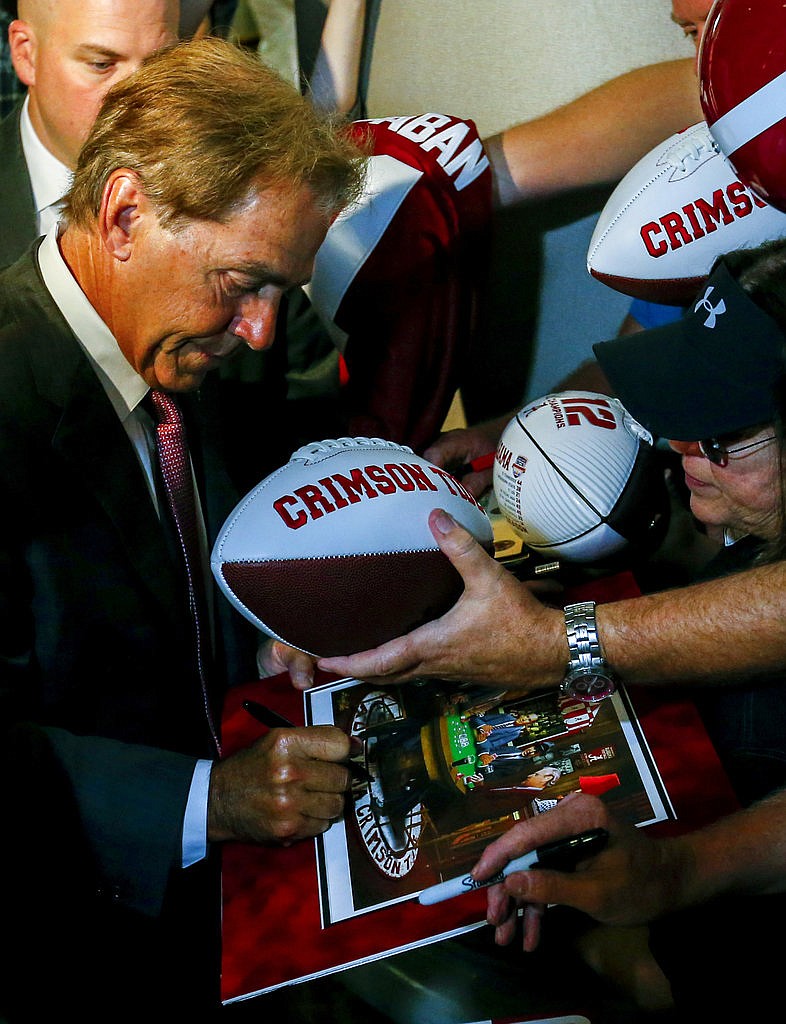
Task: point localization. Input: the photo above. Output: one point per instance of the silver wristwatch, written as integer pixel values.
(588, 676)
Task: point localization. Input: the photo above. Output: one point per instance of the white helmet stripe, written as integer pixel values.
(754, 115)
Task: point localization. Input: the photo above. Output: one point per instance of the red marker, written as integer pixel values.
(477, 465)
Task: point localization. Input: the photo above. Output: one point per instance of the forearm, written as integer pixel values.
(704, 634)
(744, 853)
(637, 880)
(500, 634)
(334, 81)
(721, 629)
(597, 138)
(131, 801)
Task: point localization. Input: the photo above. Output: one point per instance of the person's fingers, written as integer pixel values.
(573, 814)
(533, 915)
(466, 555)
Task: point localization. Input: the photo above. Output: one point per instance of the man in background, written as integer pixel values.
(68, 54)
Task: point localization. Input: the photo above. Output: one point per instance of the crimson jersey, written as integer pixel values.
(400, 274)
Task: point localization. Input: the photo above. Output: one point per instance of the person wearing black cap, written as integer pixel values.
(711, 383)
(713, 373)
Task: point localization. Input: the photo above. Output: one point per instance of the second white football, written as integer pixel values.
(675, 212)
(575, 475)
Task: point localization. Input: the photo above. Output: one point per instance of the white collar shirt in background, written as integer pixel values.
(49, 178)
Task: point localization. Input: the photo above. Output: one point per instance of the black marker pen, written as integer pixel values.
(561, 855)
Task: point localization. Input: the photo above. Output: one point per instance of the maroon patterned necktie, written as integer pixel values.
(176, 472)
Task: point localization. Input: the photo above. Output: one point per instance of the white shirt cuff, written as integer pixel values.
(195, 821)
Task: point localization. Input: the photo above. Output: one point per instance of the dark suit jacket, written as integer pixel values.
(17, 209)
(95, 638)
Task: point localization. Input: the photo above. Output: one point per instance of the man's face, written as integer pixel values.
(691, 16)
(69, 53)
(542, 778)
(190, 297)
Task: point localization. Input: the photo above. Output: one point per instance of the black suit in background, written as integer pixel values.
(96, 646)
(17, 208)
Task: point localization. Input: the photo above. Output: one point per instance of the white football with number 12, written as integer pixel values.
(332, 553)
(575, 476)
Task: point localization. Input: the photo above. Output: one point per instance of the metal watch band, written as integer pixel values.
(582, 632)
(588, 677)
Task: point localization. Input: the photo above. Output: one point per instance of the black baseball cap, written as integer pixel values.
(712, 372)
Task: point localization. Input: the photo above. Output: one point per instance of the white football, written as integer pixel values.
(575, 476)
(675, 212)
(332, 553)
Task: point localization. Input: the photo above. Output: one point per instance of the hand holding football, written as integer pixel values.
(332, 553)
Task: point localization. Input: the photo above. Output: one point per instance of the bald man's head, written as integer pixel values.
(70, 52)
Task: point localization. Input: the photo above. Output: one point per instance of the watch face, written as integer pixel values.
(589, 686)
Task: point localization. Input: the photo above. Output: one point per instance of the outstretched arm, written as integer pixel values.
(596, 138)
(334, 80)
(499, 634)
(635, 879)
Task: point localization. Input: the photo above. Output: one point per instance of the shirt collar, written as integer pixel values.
(123, 385)
(50, 179)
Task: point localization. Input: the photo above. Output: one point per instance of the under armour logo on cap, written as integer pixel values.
(713, 312)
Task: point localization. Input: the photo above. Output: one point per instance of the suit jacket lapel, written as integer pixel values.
(93, 442)
(17, 207)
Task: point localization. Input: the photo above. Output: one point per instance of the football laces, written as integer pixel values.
(689, 152)
(315, 448)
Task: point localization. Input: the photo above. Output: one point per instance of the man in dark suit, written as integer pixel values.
(65, 58)
(194, 206)
(67, 55)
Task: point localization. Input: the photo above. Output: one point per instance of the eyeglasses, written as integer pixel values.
(717, 451)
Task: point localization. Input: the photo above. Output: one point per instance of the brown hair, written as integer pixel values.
(203, 122)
